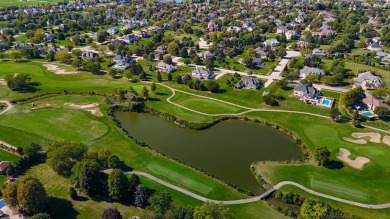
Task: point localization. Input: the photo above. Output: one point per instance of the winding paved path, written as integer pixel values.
(256, 198)
(9, 106)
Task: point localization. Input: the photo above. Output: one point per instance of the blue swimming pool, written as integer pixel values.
(326, 102)
(2, 203)
(368, 114)
(121, 67)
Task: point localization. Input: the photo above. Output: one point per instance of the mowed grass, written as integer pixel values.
(255, 210)
(357, 68)
(60, 124)
(314, 132)
(204, 105)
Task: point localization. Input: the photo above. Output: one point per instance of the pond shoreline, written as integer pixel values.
(201, 126)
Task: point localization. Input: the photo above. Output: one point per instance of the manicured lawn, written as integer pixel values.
(254, 210)
(180, 36)
(31, 2)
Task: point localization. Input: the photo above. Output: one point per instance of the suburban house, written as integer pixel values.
(122, 61)
(304, 91)
(368, 81)
(161, 50)
(291, 34)
(4, 166)
(318, 52)
(374, 47)
(202, 73)
(249, 82)
(305, 71)
(89, 55)
(113, 31)
(373, 102)
(164, 67)
(271, 42)
(281, 29)
(256, 62)
(129, 38)
(302, 44)
(207, 55)
(262, 54)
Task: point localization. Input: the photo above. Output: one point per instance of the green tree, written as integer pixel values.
(10, 194)
(183, 52)
(18, 82)
(159, 77)
(212, 86)
(15, 55)
(117, 185)
(173, 48)
(87, 176)
(247, 56)
(62, 56)
(170, 77)
(356, 123)
(314, 209)
(283, 83)
(159, 202)
(31, 195)
(167, 59)
(133, 183)
(212, 210)
(141, 196)
(92, 66)
(197, 60)
(62, 156)
(145, 92)
(113, 162)
(322, 156)
(153, 87)
(151, 56)
(353, 96)
(382, 112)
(335, 113)
(76, 63)
(103, 155)
(101, 36)
(111, 213)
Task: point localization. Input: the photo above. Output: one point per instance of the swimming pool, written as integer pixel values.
(367, 114)
(121, 67)
(2, 203)
(326, 102)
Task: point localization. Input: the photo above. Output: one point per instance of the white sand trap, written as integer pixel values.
(386, 140)
(374, 137)
(3, 82)
(92, 108)
(58, 70)
(355, 141)
(358, 163)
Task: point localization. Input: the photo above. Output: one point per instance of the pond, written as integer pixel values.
(225, 150)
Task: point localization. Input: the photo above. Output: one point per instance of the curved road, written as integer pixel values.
(9, 106)
(256, 198)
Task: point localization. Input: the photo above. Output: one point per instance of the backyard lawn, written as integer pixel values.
(357, 68)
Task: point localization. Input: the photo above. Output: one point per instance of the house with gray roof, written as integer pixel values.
(164, 67)
(130, 38)
(202, 73)
(89, 55)
(120, 60)
(271, 42)
(374, 47)
(113, 30)
(249, 82)
(310, 71)
(304, 92)
(368, 81)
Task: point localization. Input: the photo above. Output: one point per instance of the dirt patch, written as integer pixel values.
(3, 82)
(357, 163)
(355, 141)
(386, 140)
(374, 137)
(92, 108)
(58, 70)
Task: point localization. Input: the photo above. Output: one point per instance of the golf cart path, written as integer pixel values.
(9, 106)
(247, 109)
(256, 198)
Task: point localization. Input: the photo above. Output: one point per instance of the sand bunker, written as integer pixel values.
(355, 141)
(58, 70)
(357, 163)
(92, 108)
(374, 137)
(386, 140)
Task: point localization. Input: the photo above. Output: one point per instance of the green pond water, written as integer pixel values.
(225, 150)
